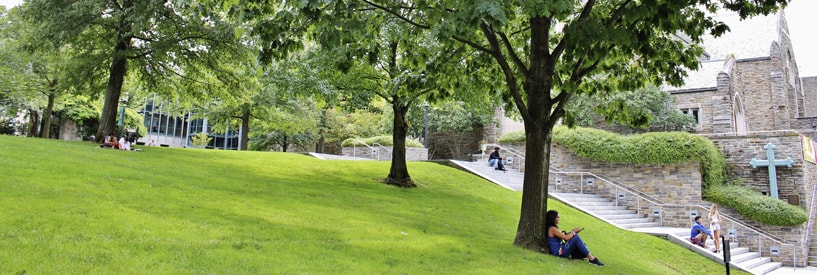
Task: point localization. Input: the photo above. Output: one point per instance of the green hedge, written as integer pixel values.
(672, 148)
(647, 148)
(756, 206)
(382, 140)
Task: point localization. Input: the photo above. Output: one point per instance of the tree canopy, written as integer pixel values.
(549, 51)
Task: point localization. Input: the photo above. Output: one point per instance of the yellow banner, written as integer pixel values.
(808, 149)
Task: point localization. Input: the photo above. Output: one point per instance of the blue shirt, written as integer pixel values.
(697, 228)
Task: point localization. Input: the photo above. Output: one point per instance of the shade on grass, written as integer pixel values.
(69, 207)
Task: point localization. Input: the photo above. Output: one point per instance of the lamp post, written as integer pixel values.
(425, 126)
(121, 123)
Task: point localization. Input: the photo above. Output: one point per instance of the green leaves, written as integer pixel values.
(756, 206)
(648, 148)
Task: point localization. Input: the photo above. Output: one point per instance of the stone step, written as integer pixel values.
(594, 203)
(574, 195)
(631, 221)
(755, 262)
(621, 216)
(605, 207)
(613, 212)
(640, 225)
(766, 268)
(743, 257)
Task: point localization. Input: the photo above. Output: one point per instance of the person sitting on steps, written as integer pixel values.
(495, 159)
(698, 233)
(573, 246)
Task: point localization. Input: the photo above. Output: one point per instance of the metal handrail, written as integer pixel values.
(637, 193)
(759, 234)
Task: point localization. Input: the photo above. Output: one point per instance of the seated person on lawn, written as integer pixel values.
(698, 233)
(573, 246)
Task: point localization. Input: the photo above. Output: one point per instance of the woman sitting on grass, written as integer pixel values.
(573, 246)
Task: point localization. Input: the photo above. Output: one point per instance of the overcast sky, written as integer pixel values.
(800, 15)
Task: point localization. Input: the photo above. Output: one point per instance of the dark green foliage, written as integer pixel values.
(648, 148)
(756, 206)
(6, 126)
(641, 110)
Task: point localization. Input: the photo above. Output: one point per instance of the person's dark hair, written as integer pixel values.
(697, 218)
(497, 148)
(550, 219)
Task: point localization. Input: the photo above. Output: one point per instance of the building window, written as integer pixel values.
(692, 112)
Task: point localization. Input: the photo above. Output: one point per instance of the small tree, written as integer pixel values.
(200, 140)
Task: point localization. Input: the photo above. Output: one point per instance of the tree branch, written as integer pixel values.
(395, 14)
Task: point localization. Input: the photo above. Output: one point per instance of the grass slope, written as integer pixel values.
(69, 207)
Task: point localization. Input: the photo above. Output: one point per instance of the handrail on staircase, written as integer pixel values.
(357, 140)
(630, 190)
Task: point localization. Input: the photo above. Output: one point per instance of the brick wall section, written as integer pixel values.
(757, 94)
(671, 183)
(739, 150)
(697, 100)
(449, 145)
(798, 180)
(810, 90)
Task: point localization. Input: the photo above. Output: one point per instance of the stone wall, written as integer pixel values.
(810, 90)
(384, 153)
(797, 182)
(757, 94)
(739, 150)
(450, 145)
(700, 100)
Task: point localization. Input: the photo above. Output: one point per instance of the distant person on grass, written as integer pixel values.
(698, 233)
(495, 159)
(124, 144)
(110, 142)
(566, 244)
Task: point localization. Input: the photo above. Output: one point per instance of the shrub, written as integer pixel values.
(382, 140)
(756, 206)
(513, 137)
(647, 148)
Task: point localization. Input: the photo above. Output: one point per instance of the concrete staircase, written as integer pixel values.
(812, 251)
(742, 258)
(607, 210)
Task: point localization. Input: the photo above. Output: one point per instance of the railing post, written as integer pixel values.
(581, 184)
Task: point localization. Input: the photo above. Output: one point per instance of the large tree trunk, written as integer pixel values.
(52, 95)
(530, 233)
(107, 123)
(540, 117)
(398, 173)
(245, 130)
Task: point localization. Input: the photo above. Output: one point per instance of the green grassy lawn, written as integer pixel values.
(70, 207)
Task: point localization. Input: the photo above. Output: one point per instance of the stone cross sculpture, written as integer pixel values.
(771, 163)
